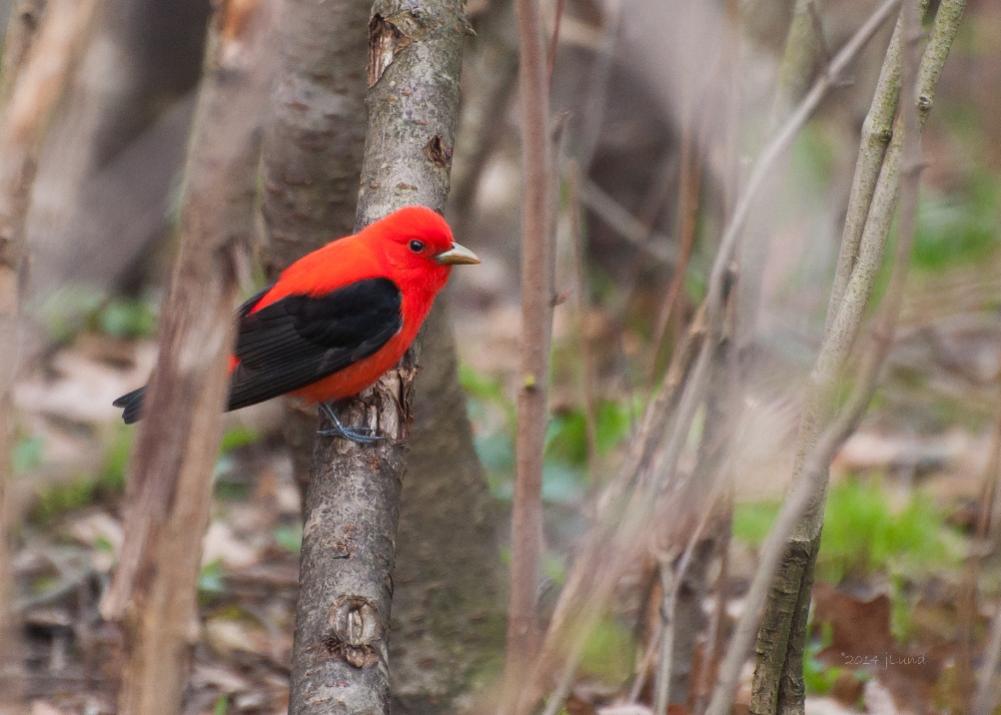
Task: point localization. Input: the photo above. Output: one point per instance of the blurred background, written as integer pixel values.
(660, 106)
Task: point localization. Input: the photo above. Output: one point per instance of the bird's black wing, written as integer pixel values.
(300, 339)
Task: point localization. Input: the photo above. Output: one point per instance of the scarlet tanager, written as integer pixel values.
(339, 317)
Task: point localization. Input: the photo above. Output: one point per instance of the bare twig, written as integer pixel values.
(537, 311)
(581, 303)
(655, 245)
(586, 592)
(689, 184)
(804, 47)
(968, 693)
(784, 624)
(554, 40)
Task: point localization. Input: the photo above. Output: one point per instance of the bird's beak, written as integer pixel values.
(457, 255)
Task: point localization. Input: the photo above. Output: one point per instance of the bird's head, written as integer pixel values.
(418, 243)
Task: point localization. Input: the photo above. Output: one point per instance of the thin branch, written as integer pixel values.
(554, 40)
(581, 304)
(655, 245)
(689, 185)
(536, 333)
(804, 46)
(809, 487)
(585, 592)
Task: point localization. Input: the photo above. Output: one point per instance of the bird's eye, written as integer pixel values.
(417, 246)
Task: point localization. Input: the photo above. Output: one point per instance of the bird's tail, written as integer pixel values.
(132, 403)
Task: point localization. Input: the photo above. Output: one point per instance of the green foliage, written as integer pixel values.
(864, 533)
(608, 652)
(126, 318)
(752, 520)
(221, 706)
(485, 392)
(564, 478)
(289, 537)
(237, 437)
(960, 227)
(27, 454)
(229, 484)
(77, 307)
(566, 439)
(818, 676)
(210, 580)
(106, 482)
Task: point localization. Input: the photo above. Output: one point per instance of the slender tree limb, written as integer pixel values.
(585, 592)
(689, 185)
(778, 680)
(340, 655)
(582, 298)
(536, 333)
(877, 131)
(170, 489)
(626, 225)
(803, 48)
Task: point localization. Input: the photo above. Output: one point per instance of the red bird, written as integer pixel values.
(339, 317)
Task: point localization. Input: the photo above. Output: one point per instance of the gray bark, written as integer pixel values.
(313, 148)
(340, 656)
(447, 618)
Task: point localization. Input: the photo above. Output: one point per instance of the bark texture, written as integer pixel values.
(447, 610)
(340, 656)
(316, 133)
(313, 152)
(170, 489)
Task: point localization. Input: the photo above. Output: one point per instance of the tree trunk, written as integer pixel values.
(170, 490)
(447, 618)
(313, 152)
(340, 655)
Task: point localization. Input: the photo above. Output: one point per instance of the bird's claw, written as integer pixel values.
(356, 436)
(362, 435)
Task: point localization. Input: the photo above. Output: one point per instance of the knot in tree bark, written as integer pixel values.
(355, 629)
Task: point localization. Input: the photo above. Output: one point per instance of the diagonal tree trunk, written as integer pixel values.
(170, 489)
(341, 656)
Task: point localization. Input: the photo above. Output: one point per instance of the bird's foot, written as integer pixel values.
(358, 436)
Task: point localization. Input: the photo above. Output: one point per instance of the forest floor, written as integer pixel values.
(894, 628)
